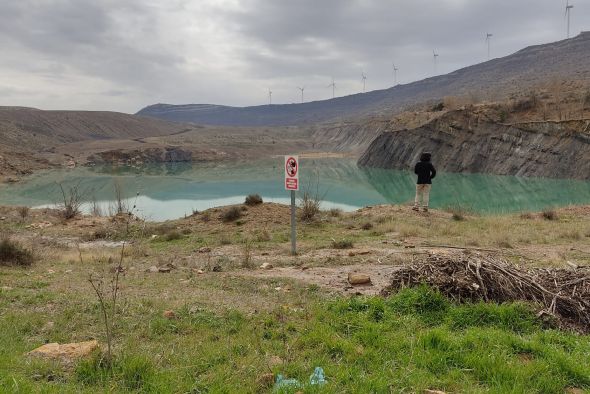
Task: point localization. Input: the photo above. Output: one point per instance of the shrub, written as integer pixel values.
(310, 207)
(367, 226)
(231, 214)
(23, 212)
(549, 214)
(342, 244)
(253, 199)
(13, 253)
(172, 236)
(438, 107)
(335, 212)
(72, 201)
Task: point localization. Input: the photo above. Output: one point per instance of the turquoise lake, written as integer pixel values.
(171, 191)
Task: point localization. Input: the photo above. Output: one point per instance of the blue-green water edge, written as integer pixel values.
(168, 191)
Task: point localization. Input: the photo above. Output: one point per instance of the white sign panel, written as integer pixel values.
(291, 172)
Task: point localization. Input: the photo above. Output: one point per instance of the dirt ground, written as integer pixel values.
(255, 247)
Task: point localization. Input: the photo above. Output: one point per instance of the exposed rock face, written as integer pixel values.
(460, 142)
(150, 155)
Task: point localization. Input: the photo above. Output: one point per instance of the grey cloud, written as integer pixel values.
(123, 54)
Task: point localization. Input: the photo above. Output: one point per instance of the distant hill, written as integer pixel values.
(34, 129)
(530, 67)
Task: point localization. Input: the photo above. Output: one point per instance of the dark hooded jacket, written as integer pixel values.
(425, 170)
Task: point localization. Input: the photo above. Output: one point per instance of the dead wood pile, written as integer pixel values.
(561, 293)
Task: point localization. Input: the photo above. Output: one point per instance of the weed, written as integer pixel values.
(253, 199)
(335, 212)
(12, 253)
(225, 240)
(263, 236)
(367, 226)
(458, 212)
(247, 254)
(549, 214)
(23, 212)
(172, 236)
(95, 210)
(231, 214)
(342, 244)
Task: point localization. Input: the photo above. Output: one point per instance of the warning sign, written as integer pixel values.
(291, 173)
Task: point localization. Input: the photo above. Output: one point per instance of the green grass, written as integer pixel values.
(411, 341)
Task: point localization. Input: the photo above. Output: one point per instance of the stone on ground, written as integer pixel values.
(67, 352)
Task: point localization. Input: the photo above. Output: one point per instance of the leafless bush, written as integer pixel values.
(253, 199)
(96, 210)
(119, 205)
(311, 200)
(231, 214)
(106, 286)
(247, 254)
(23, 212)
(72, 201)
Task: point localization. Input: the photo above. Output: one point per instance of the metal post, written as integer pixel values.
(293, 229)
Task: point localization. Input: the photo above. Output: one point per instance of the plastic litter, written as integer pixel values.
(317, 377)
(282, 383)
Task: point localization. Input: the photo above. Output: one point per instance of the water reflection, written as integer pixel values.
(172, 190)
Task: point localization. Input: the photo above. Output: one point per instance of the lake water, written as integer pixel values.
(173, 190)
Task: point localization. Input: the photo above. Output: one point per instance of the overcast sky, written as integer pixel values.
(122, 55)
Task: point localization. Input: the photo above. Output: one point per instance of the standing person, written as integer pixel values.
(425, 171)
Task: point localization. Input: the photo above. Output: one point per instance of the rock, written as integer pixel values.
(67, 352)
(304, 268)
(164, 269)
(358, 279)
(428, 391)
(169, 314)
(51, 272)
(152, 269)
(216, 268)
(204, 250)
(266, 266)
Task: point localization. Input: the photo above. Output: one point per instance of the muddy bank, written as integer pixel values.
(464, 142)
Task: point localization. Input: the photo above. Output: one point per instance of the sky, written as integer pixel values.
(121, 55)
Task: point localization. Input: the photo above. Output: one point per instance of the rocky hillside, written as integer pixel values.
(463, 141)
(530, 67)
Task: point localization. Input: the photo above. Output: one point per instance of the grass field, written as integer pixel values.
(231, 332)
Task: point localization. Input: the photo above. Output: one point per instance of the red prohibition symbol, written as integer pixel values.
(291, 167)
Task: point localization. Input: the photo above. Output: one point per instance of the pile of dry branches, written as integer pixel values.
(562, 293)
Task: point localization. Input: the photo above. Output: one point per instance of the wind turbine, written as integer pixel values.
(568, 11)
(302, 88)
(395, 69)
(333, 85)
(364, 77)
(435, 55)
(269, 97)
(488, 39)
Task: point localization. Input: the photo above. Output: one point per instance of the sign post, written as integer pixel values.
(292, 184)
